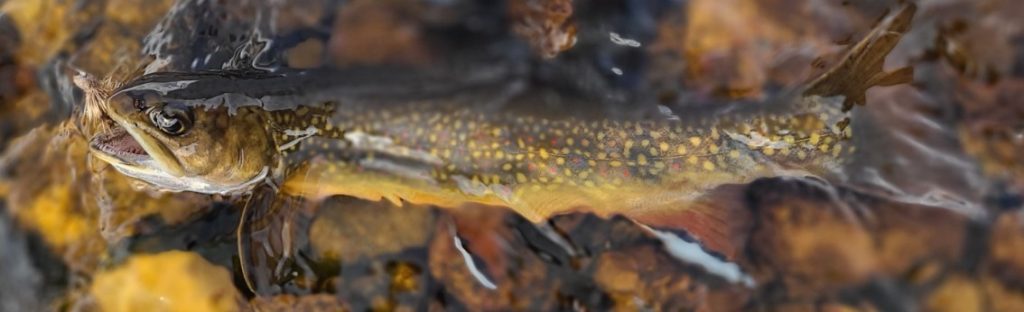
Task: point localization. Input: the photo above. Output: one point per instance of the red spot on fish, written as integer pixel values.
(625, 172)
(676, 166)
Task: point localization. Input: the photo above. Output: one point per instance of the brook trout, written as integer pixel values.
(417, 138)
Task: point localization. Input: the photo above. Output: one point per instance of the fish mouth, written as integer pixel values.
(117, 143)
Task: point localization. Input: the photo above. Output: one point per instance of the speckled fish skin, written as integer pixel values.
(447, 149)
(445, 153)
(429, 141)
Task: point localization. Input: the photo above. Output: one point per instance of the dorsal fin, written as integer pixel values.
(862, 67)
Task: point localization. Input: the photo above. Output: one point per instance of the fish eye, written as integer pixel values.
(172, 120)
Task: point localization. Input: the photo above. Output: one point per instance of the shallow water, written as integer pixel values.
(926, 215)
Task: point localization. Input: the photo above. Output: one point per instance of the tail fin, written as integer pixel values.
(861, 68)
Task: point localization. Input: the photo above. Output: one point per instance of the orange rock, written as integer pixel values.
(544, 24)
(169, 281)
(956, 293)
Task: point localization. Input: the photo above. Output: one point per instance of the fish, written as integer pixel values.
(483, 136)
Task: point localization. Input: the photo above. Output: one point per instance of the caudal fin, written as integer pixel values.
(862, 67)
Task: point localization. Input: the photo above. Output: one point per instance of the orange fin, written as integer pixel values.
(718, 220)
(862, 67)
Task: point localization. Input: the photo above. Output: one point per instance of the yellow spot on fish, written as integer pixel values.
(560, 161)
(695, 141)
(615, 163)
(641, 159)
(823, 148)
(645, 142)
(681, 149)
(499, 154)
(544, 154)
(520, 177)
(768, 151)
(569, 141)
(692, 160)
(663, 146)
(713, 149)
(506, 167)
(734, 154)
(815, 137)
(709, 166)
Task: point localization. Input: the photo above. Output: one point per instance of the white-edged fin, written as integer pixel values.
(690, 252)
(470, 263)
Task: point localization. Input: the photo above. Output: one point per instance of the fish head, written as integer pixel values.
(179, 145)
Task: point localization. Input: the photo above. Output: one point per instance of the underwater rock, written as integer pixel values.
(170, 281)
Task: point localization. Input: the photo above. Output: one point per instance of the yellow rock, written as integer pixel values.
(169, 281)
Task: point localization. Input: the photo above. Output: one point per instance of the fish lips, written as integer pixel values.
(120, 145)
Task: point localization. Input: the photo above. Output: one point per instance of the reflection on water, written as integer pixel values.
(923, 214)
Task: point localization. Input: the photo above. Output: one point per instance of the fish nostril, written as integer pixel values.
(139, 104)
(125, 103)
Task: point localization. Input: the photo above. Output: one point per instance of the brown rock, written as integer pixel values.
(350, 229)
(1006, 250)
(379, 32)
(544, 24)
(993, 131)
(311, 303)
(807, 240)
